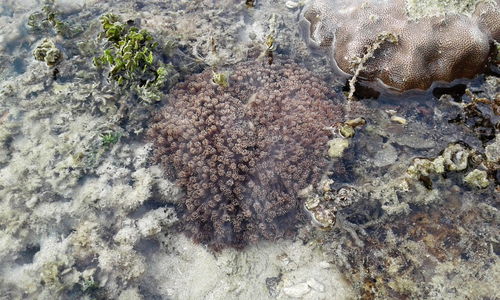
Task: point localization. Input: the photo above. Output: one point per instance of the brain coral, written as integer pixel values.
(436, 41)
(244, 151)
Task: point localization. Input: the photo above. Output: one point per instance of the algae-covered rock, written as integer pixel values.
(477, 178)
(337, 147)
(492, 151)
(456, 157)
(47, 52)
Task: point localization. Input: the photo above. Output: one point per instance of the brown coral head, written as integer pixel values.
(433, 45)
(243, 152)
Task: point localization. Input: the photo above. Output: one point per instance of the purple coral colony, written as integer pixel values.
(243, 152)
(244, 148)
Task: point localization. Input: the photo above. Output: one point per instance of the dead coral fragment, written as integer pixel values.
(477, 178)
(47, 52)
(243, 152)
(323, 202)
(456, 157)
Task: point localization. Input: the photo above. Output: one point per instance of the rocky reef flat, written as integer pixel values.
(401, 203)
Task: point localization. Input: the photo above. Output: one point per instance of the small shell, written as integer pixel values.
(292, 4)
(324, 218)
(399, 120)
(312, 203)
(356, 122)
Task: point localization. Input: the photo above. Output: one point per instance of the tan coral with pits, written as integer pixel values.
(453, 40)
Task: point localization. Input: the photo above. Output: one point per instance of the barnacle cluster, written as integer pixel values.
(244, 151)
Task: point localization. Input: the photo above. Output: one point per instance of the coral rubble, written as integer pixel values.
(244, 151)
(429, 46)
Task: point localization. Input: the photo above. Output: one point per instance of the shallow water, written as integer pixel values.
(85, 213)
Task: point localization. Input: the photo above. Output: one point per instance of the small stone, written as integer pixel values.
(346, 131)
(337, 147)
(492, 151)
(315, 285)
(297, 290)
(399, 120)
(356, 122)
(291, 4)
(477, 178)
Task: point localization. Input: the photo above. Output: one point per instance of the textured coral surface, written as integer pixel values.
(439, 45)
(243, 152)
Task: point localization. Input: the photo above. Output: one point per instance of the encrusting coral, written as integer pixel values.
(452, 42)
(243, 152)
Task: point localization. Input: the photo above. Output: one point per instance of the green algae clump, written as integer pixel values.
(48, 20)
(130, 55)
(109, 139)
